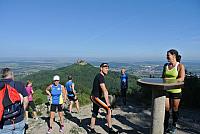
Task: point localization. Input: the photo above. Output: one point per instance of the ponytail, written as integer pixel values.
(178, 58)
(175, 52)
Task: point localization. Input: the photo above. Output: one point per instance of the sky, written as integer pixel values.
(119, 29)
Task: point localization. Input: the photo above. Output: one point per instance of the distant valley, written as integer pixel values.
(23, 67)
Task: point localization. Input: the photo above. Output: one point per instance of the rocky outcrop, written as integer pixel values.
(130, 119)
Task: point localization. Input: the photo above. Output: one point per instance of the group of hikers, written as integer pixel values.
(59, 94)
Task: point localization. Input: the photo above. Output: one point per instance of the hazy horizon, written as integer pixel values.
(93, 59)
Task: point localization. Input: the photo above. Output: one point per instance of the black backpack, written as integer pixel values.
(10, 102)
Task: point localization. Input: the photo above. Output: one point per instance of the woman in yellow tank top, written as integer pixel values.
(173, 70)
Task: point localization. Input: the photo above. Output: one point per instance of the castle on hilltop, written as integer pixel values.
(81, 62)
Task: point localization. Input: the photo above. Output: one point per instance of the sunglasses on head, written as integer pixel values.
(105, 66)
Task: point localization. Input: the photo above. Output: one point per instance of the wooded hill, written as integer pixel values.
(83, 76)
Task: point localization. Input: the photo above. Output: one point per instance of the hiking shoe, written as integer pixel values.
(173, 130)
(92, 131)
(111, 131)
(49, 130)
(35, 118)
(167, 131)
(61, 129)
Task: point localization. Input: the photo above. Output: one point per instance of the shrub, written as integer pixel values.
(84, 99)
(39, 97)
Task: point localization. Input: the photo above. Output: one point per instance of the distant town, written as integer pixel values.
(23, 67)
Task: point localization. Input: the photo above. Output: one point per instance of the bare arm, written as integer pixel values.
(32, 91)
(105, 92)
(47, 90)
(25, 102)
(64, 93)
(163, 72)
(73, 89)
(181, 73)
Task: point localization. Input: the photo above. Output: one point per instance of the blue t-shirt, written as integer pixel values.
(124, 81)
(68, 86)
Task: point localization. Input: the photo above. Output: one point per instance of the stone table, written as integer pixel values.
(158, 87)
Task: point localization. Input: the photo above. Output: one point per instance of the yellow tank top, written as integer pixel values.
(172, 74)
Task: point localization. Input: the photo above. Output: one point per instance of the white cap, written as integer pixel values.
(56, 77)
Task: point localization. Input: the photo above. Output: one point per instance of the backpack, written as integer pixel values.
(10, 102)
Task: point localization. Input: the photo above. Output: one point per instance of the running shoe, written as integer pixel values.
(61, 129)
(49, 130)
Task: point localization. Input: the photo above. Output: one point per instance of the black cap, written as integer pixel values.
(104, 65)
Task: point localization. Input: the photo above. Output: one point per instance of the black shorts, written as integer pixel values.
(173, 95)
(54, 107)
(72, 98)
(32, 105)
(97, 103)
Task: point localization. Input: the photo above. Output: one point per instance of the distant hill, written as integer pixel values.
(83, 76)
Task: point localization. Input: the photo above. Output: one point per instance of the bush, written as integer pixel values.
(39, 97)
(84, 99)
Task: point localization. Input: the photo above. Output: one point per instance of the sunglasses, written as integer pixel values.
(105, 66)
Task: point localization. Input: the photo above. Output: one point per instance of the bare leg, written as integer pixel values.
(70, 106)
(35, 114)
(26, 115)
(92, 123)
(77, 106)
(51, 118)
(176, 103)
(167, 104)
(61, 118)
(108, 117)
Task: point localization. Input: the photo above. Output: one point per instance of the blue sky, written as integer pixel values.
(136, 29)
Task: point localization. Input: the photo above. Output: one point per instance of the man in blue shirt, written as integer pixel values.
(71, 94)
(124, 85)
